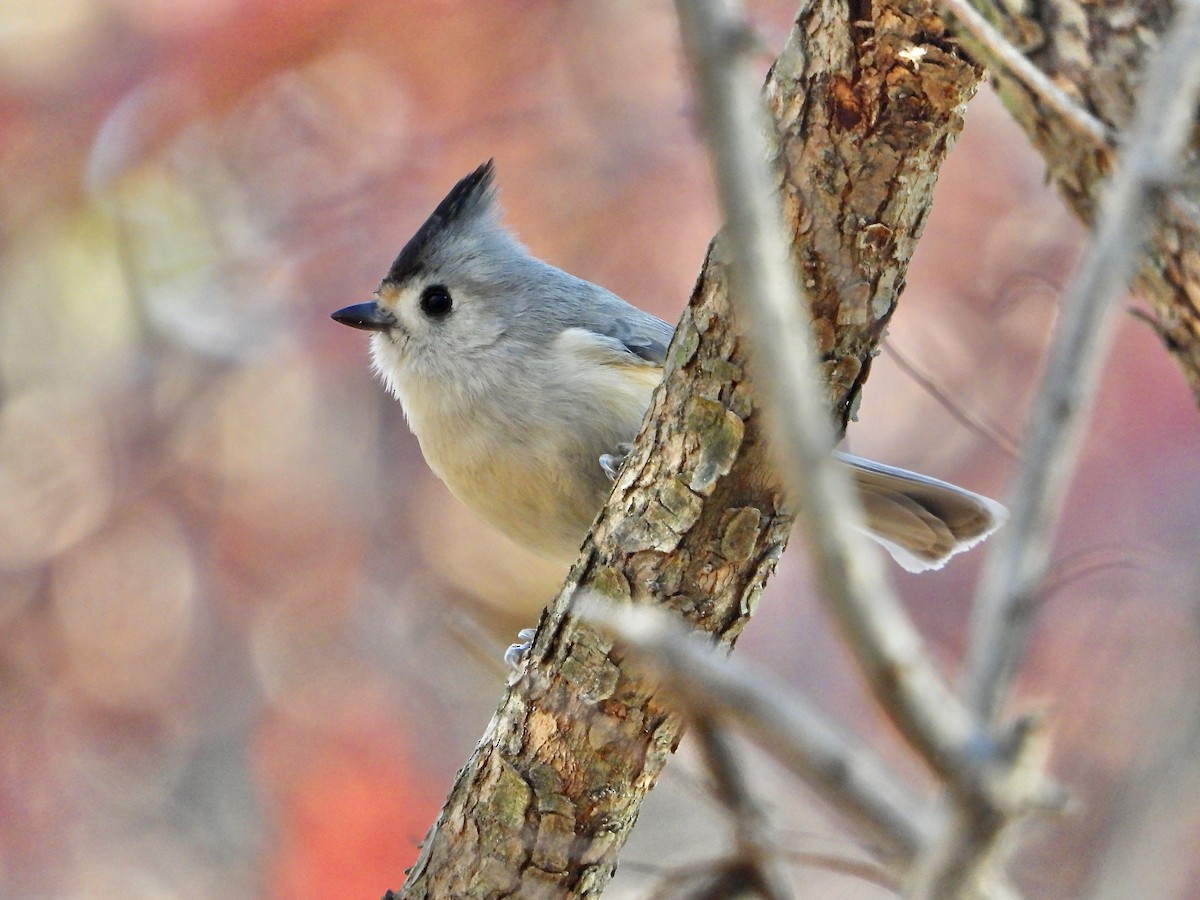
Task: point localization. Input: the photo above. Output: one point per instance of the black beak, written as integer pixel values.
(367, 316)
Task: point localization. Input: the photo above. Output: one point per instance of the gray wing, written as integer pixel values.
(604, 313)
(642, 334)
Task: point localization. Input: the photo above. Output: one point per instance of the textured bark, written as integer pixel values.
(696, 521)
(1095, 50)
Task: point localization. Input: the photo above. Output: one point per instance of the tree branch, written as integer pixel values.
(847, 774)
(991, 47)
(1019, 556)
(756, 863)
(883, 639)
(1093, 51)
(1017, 564)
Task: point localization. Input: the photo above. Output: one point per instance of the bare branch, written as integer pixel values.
(1020, 554)
(960, 864)
(881, 635)
(755, 855)
(1098, 56)
(986, 430)
(847, 774)
(994, 49)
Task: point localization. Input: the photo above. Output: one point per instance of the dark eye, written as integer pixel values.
(435, 301)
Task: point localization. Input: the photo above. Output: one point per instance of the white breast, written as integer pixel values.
(523, 450)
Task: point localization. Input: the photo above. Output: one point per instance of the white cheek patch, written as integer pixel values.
(386, 359)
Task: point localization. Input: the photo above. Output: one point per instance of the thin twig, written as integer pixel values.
(1000, 54)
(1088, 561)
(767, 297)
(837, 863)
(1020, 554)
(832, 862)
(968, 420)
(844, 772)
(756, 856)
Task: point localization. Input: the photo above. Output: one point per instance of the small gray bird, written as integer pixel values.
(522, 383)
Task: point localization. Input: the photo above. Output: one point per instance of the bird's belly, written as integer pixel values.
(545, 501)
(533, 471)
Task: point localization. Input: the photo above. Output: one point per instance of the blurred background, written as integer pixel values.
(246, 638)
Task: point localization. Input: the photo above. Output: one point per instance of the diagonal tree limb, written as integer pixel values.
(887, 646)
(697, 520)
(988, 44)
(756, 864)
(895, 821)
(1093, 51)
(1150, 161)
(1017, 565)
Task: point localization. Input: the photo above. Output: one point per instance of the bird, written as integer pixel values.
(525, 387)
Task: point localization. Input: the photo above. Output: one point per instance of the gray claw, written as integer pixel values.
(611, 462)
(515, 655)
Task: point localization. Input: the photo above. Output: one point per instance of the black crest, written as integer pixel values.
(464, 200)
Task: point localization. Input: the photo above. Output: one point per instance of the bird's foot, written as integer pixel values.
(515, 655)
(611, 462)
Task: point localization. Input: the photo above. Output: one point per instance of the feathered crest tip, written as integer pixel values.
(472, 195)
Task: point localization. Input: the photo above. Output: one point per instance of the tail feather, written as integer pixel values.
(919, 520)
